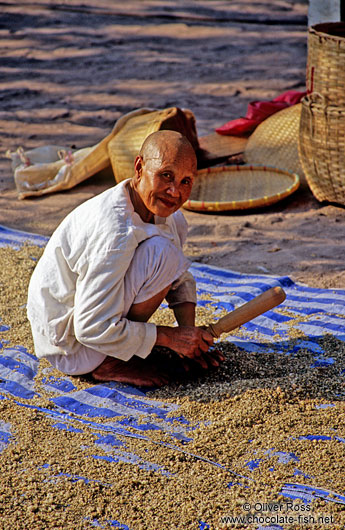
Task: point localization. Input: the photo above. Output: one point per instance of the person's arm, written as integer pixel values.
(182, 290)
(186, 340)
(185, 313)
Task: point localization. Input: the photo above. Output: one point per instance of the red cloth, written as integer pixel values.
(258, 111)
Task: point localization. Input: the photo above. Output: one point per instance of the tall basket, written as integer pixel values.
(322, 147)
(326, 61)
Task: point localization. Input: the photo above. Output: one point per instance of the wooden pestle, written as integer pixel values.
(255, 307)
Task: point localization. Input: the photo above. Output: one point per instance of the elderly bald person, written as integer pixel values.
(110, 264)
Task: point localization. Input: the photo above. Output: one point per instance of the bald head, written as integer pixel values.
(164, 174)
(167, 144)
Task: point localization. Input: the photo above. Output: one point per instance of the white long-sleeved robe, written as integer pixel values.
(76, 293)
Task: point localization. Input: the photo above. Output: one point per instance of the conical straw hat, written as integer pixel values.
(126, 143)
(275, 141)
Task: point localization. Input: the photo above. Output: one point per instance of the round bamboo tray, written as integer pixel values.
(326, 61)
(322, 148)
(239, 188)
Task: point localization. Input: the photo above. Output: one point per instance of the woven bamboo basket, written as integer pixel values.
(322, 148)
(240, 187)
(326, 61)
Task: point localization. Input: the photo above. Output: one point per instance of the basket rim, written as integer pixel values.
(192, 204)
(319, 30)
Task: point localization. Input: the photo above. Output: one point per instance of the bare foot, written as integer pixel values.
(153, 371)
(136, 371)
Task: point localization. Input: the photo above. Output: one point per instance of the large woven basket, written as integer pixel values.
(326, 61)
(240, 187)
(322, 148)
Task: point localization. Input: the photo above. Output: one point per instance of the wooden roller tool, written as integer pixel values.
(252, 309)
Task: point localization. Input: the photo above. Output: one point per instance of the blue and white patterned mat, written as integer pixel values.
(316, 312)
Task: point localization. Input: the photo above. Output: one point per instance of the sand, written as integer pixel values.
(70, 71)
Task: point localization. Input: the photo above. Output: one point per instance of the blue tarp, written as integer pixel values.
(123, 406)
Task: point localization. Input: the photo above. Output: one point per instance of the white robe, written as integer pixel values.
(77, 303)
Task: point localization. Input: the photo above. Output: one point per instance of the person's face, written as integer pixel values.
(164, 182)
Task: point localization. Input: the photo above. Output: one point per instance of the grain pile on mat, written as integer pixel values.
(256, 425)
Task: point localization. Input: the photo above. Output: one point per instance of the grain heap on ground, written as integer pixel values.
(255, 408)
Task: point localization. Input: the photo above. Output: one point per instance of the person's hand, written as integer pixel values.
(190, 342)
(213, 357)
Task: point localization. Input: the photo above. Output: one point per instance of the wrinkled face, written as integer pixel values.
(164, 179)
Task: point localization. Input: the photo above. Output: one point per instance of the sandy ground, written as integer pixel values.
(70, 70)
